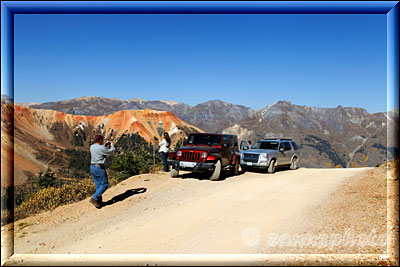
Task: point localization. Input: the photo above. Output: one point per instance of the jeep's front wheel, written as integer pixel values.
(174, 172)
(271, 167)
(216, 172)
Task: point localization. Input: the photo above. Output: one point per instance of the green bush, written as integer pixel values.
(47, 179)
(78, 159)
(128, 164)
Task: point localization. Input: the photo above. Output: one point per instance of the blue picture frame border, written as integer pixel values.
(10, 8)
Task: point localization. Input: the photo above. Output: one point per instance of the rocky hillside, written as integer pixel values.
(215, 115)
(211, 116)
(328, 137)
(42, 136)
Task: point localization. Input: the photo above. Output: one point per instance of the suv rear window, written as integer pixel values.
(266, 145)
(204, 139)
(286, 146)
(294, 145)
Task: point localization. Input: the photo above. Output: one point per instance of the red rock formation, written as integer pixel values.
(36, 139)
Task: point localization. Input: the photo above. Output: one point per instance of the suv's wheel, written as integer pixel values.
(271, 167)
(235, 168)
(174, 172)
(293, 164)
(216, 172)
(243, 168)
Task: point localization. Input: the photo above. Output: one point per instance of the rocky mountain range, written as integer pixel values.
(211, 116)
(328, 137)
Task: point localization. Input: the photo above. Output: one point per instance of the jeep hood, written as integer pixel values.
(207, 149)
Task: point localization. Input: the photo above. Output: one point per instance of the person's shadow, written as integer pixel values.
(125, 195)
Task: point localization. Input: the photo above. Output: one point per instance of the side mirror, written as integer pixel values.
(245, 148)
(281, 149)
(225, 145)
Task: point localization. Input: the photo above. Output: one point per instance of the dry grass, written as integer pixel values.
(51, 198)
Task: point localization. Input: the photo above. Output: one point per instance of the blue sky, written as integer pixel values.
(251, 60)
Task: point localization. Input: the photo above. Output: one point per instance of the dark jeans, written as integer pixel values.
(100, 179)
(164, 157)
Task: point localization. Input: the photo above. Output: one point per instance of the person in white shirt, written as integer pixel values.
(249, 143)
(164, 149)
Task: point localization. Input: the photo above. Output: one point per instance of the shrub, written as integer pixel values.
(47, 179)
(79, 159)
(128, 164)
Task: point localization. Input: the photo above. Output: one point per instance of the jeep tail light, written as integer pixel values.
(203, 155)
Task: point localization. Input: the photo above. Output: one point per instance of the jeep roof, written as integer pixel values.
(215, 134)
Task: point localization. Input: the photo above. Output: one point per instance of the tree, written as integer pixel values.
(47, 179)
(128, 164)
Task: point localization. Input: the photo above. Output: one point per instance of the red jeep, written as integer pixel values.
(207, 152)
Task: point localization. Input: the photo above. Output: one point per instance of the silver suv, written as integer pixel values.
(268, 154)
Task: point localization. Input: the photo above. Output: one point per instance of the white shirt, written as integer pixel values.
(163, 146)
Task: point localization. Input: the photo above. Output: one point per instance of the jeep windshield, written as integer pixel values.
(266, 145)
(204, 139)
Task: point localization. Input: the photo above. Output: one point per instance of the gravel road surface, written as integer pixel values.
(154, 213)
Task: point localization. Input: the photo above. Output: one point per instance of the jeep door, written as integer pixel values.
(225, 151)
(233, 148)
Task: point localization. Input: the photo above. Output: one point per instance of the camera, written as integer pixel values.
(107, 144)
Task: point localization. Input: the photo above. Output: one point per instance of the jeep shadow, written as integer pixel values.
(205, 175)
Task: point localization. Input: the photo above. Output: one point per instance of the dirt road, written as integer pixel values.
(154, 213)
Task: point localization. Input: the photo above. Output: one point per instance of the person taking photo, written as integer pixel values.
(98, 153)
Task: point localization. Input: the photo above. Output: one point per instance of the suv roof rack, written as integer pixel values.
(276, 138)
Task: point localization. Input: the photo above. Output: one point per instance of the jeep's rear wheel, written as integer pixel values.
(174, 172)
(216, 172)
(271, 167)
(293, 164)
(235, 168)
